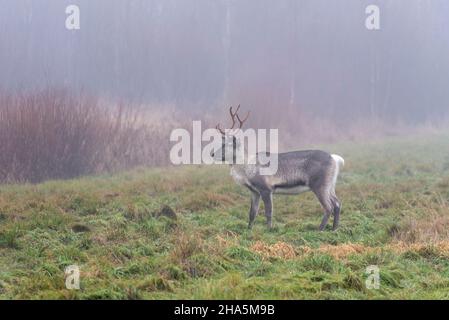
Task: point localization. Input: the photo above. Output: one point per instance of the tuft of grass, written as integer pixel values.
(9, 237)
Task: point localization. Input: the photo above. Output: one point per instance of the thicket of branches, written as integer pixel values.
(53, 134)
(56, 134)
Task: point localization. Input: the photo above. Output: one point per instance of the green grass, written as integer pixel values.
(395, 215)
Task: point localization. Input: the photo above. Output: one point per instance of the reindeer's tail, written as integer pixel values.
(340, 162)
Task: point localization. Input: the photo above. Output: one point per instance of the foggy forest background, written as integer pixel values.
(308, 67)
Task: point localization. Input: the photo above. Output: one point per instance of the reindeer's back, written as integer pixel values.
(301, 169)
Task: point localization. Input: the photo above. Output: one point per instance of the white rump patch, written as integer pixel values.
(339, 160)
(340, 163)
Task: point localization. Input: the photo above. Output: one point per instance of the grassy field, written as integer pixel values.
(395, 215)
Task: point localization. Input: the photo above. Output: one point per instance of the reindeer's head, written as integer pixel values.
(230, 144)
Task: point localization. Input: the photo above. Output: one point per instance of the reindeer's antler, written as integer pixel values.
(219, 129)
(241, 122)
(234, 115)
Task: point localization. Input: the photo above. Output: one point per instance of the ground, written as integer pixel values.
(395, 215)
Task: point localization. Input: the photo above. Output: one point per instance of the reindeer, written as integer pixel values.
(298, 172)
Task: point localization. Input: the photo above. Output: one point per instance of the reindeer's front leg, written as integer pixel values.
(267, 197)
(255, 200)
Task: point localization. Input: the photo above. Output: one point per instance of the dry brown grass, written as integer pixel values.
(207, 200)
(440, 247)
(280, 250)
(432, 229)
(186, 245)
(225, 241)
(284, 250)
(342, 251)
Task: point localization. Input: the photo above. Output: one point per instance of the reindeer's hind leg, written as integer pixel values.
(267, 198)
(325, 201)
(336, 211)
(255, 200)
